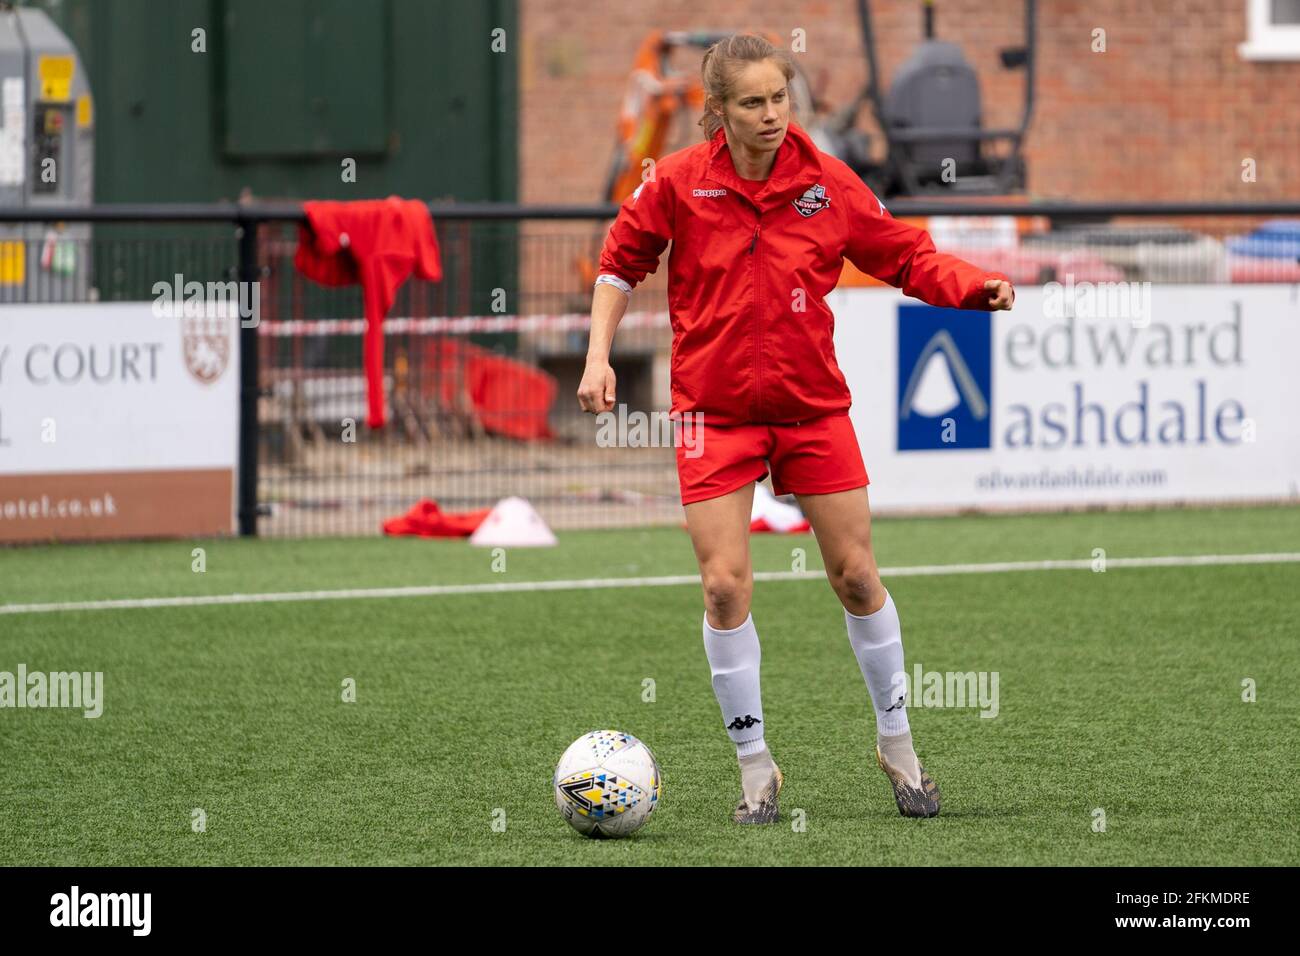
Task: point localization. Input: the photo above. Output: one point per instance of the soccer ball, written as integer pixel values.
(607, 784)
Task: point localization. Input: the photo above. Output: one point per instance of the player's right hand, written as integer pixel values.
(596, 393)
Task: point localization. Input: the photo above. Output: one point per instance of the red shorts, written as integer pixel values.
(816, 457)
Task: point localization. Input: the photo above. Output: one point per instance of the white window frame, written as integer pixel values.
(1266, 40)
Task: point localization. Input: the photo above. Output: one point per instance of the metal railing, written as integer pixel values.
(480, 369)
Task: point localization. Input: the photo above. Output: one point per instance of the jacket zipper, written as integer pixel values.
(758, 349)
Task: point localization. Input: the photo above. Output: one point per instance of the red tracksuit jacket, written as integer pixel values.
(740, 269)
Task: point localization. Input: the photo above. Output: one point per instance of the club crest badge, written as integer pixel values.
(205, 344)
(813, 200)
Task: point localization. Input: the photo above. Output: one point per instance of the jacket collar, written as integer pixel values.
(797, 166)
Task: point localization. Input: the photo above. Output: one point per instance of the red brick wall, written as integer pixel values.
(1168, 112)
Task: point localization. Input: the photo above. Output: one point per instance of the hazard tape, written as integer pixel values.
(571, 321)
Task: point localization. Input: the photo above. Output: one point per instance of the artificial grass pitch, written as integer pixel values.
(1120, 698)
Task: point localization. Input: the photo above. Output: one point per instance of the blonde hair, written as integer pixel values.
(723, 61)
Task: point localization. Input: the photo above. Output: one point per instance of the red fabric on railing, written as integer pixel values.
(377, 243)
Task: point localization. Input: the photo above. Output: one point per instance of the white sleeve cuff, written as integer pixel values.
(615, 281)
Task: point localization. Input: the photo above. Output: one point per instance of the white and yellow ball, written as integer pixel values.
(607, 784)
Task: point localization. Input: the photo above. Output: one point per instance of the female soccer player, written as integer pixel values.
(760, 221)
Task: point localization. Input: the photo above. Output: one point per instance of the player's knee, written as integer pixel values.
(859, 581)
(727, 593)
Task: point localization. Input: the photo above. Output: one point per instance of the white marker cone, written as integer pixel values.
(512, 523)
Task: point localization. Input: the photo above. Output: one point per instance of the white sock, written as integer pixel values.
(877, 641)
(733, 657)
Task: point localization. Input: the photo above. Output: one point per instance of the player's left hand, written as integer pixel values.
(1001, 294)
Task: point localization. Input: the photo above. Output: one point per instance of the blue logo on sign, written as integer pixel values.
(945, 378)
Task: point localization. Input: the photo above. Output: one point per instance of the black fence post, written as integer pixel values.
(249, 379)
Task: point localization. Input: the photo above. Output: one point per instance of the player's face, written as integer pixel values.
(759, 112)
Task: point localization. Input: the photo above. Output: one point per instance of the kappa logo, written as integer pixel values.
(744, 723)
(813, 201)
(708, 193)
